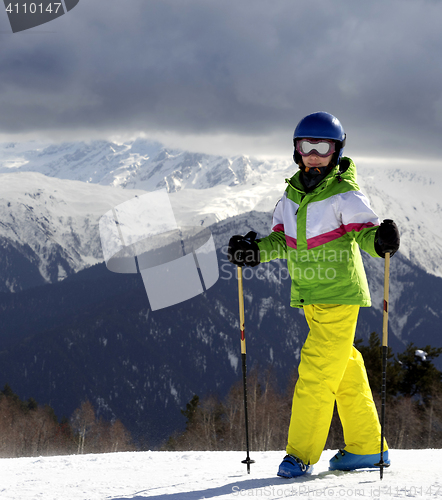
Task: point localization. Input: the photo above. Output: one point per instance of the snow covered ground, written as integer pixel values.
(196, 475)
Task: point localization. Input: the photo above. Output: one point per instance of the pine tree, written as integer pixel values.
(420, 378)
(191, 410)
(372, 355)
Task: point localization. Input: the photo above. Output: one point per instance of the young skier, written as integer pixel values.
(317, 226)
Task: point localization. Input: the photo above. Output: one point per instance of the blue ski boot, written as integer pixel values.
(293, 466)
(343, 460)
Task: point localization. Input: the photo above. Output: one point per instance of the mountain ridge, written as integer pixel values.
(203, 189)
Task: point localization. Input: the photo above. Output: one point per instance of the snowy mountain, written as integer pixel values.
(411, 196)
(203, 189)
(49, 227)
(141, 164)
(52, 196)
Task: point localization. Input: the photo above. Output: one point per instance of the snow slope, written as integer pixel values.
(196, 475)
(411, 196)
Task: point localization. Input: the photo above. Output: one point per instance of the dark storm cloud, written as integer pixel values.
(249, 67)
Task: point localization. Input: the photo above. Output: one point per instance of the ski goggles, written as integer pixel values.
(321, 147)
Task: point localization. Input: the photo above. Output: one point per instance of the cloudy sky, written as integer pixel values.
(231, 76)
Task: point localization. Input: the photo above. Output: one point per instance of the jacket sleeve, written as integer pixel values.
(359, 219)
(274, 245)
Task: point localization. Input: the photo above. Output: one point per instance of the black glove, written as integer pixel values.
(243, 250)
(387, 238)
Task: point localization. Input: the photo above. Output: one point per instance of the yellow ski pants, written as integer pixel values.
(330, 370)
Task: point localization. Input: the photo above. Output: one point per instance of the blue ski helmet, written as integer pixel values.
(321, 125)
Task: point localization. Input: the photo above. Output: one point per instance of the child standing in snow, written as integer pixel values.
(318, 225)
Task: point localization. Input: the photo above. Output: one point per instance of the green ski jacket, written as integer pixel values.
(320, 233)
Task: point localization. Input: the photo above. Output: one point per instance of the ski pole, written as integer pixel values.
(381, 463)
(247, 461)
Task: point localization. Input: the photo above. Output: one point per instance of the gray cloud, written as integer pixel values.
(247, 68)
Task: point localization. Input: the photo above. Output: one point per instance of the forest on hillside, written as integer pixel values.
(29, 429)
(413, 407)
(413, 414)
